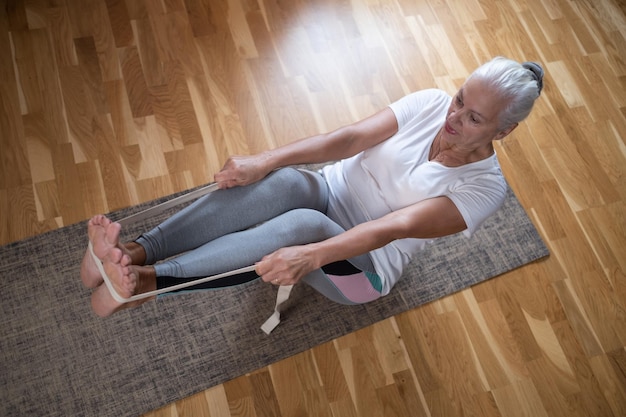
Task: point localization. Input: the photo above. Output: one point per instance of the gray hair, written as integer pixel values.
(521, 84)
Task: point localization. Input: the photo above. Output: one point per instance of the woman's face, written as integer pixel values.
(472, 120)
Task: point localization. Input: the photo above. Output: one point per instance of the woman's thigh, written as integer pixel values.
(228, 211)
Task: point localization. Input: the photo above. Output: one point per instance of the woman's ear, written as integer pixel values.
(504, 133)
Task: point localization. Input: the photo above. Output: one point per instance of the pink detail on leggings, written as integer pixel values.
(356, 287)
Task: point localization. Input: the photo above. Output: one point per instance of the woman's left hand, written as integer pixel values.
(285, 266)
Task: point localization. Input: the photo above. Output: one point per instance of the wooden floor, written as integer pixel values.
(108, 103)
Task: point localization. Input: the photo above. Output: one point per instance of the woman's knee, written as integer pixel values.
(311, 224)
(308, 187)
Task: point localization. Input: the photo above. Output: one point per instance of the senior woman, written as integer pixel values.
(422, 168)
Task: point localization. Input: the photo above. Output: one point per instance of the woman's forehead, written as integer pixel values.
(482, 98)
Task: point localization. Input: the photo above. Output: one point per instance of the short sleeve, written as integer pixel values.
(418, 104)
(479, 199)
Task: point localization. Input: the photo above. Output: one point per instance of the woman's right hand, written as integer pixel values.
(242, 170)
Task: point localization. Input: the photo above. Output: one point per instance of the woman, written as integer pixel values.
(422, 168)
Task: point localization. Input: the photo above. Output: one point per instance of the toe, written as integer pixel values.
(114, 255)
(113, 233)
(125, 261)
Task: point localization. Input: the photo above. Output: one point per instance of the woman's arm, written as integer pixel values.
(427, 219)
(338, 144)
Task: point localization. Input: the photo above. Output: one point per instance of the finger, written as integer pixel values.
(260, 271)
(224, 185)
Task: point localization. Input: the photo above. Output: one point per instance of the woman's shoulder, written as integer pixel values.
(430, 102)
(426, 95)
(422, 99)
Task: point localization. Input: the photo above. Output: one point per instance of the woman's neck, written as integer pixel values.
(451, 155)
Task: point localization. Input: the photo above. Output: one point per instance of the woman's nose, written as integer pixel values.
(454, 118)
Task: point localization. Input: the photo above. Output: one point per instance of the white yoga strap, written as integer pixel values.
(274, 320)
(148, 294)
(283, 291)
(160, 208)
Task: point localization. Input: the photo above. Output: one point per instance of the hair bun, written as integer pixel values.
(537, 72)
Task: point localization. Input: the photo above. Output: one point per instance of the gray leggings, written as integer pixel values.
(234, 228)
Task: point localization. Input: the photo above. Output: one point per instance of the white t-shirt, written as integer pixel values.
(397, 173)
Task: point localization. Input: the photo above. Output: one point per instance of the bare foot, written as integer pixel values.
(126, 280)
(104, 236)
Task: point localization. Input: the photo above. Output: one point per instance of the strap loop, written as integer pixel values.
(274, 320)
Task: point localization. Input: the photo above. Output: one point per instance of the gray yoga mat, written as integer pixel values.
(58, 359)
